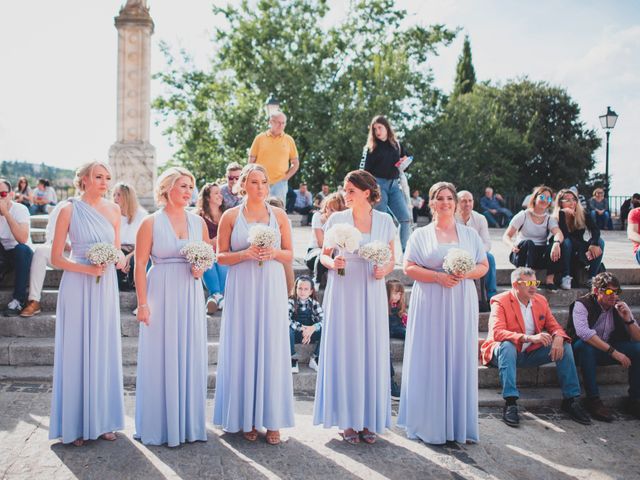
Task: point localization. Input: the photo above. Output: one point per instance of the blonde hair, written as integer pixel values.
(85, 170)
(435, 189)
(129, 200)
(575, 221)
(333, 201)
(246, 171)
(167, 180)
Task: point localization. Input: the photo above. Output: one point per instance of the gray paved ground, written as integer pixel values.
(547, 445)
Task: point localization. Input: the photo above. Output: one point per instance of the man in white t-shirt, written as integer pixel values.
(467, 216)
(41, 260)
(15, 246)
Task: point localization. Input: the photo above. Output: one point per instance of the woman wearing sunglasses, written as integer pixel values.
(531, 229)
(577, 248)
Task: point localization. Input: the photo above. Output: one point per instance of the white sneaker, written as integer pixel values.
(220, 301)
(566, 283)
(313, 364)
(14, 305)
(294, 366)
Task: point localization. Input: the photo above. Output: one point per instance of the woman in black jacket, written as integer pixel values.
(383, 156)
(582, 242)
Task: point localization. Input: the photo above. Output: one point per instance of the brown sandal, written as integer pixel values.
(78, 442)
(273, 437)
(251, 436)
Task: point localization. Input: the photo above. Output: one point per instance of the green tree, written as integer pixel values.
(465, 73)
(330, 82)
(560, 149)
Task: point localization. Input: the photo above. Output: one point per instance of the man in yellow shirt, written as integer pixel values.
(277, 153)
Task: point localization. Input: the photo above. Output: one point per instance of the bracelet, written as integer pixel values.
(611, 350)
(557, 241)
(630, 322)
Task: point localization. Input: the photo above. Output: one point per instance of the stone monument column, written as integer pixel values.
(132, 157)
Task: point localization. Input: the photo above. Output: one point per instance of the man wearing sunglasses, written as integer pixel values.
(523, 333)
(15, 246)
(230, 195)
(605, 333)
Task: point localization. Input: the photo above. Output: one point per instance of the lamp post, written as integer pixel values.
(608, 121)
(271, 106)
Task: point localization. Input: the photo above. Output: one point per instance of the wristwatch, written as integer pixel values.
(630, 322)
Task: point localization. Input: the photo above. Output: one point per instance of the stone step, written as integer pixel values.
(49, 299)
(39, 221)
(37, 235)
(304, 383)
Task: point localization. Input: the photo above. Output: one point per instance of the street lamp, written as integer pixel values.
(271, 106)
(608, 121)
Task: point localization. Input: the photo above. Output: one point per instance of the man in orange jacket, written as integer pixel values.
(523, 333)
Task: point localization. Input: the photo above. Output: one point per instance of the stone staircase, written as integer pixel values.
(27, 344)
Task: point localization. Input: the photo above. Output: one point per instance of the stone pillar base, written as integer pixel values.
(135, 164)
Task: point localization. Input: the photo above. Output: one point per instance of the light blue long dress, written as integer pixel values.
(171, 387)
(439, 394)
(254, 385)
(353, 384)
(87, 396)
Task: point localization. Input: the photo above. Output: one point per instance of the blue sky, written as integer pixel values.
(58, 82)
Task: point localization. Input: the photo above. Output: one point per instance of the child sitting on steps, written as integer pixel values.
(305, 320)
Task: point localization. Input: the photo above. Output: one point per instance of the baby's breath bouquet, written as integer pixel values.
(199, 254)
(344, 237)
(376, 252)
(262, 236)
(102, 254)
(458, 262)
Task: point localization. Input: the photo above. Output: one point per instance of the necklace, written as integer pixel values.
(539, 215)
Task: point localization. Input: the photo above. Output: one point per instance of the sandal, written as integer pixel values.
(353, 437)
(251, 436)
(109, 436)
(78, 442)
(273, 437)
(368, 437)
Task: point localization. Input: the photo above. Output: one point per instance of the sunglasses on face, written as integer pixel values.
(232, 177)
(544, 198)
(529, 283)
(611, 291)
(4, 194)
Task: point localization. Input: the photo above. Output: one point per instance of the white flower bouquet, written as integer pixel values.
(344, 237)
(199, 254)
(458, 262)
(262, 236)
(376, 252)
(102, 254)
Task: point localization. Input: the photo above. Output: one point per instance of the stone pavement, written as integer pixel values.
(547, 445)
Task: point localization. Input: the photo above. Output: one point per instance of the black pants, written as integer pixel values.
(17, 259)
(531, 255)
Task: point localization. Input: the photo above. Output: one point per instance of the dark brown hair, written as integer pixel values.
(363, 180)
(604, 279)
(294, 296)
(202, 205)
(395, 286)
(372, 141)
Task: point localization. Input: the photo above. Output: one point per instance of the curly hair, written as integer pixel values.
(604, 280)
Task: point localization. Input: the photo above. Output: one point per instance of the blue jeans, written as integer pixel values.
(638, 256)
(215, 278)
(392, 200)
(603, 221)
(503, 213)
(569, 250)
(507, 359)
(17, 259)
(490, 277)
(589, 358)
(279, 190)
(296, 337)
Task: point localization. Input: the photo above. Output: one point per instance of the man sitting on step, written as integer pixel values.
(15, 246)
(523, 333)
(605, 333)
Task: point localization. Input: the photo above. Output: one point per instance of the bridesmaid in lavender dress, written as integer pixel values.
(254, 387)
(353, 387)
(171, 387)
(439, 395)
(87, 400)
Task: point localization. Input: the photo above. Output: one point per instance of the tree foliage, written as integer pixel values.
(465, 73)
(330, 82)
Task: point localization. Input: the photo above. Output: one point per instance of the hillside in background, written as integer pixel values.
(13, 169)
